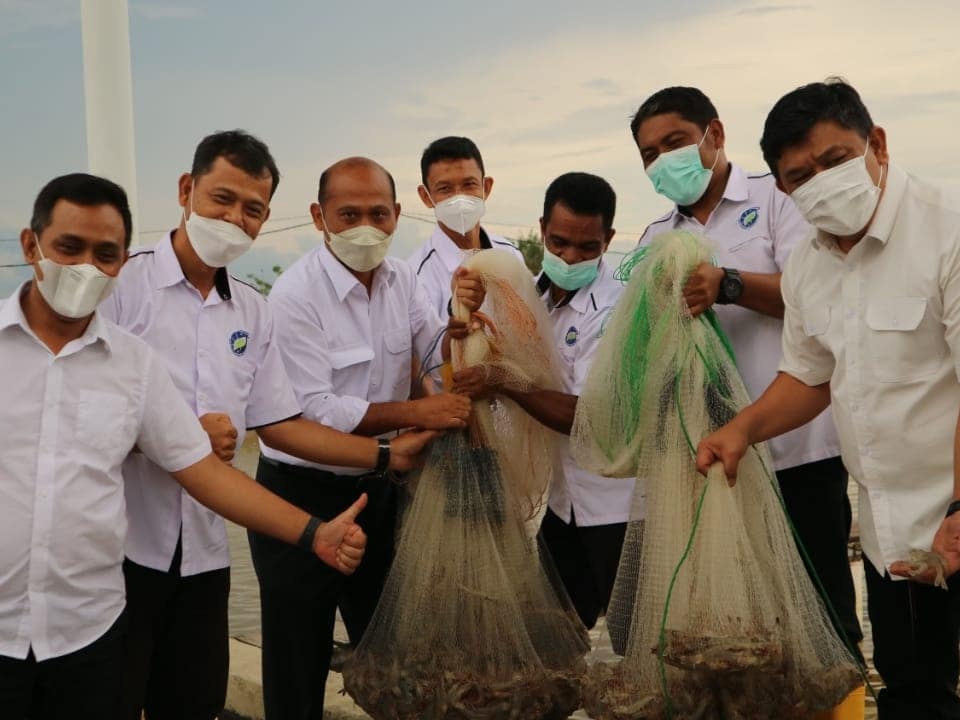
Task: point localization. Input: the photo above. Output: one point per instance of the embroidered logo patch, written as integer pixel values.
(238, 342)
(571, 338)
(749, 217)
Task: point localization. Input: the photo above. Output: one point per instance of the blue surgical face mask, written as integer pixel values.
(680, 175)
(570, 277)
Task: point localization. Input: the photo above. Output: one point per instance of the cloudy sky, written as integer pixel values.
(542, 86)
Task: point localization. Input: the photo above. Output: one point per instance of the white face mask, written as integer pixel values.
(216, 242)
(460, 213)
(840, 201)
(360, 248)
(73, 291)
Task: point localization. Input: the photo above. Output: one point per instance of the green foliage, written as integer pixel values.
(264, 286)
(532, 248)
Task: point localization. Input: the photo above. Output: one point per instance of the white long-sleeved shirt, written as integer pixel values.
(344, 349)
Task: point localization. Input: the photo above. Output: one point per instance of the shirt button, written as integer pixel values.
(850, 313)
(867, 452)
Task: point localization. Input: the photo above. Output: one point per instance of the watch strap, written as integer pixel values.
(309, 532)
(383, 456)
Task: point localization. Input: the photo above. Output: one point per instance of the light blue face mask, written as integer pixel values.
(680, 175)
(570, 277)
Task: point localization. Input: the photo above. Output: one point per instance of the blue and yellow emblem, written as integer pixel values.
(749, 217)
(571, 337)
(238, 342)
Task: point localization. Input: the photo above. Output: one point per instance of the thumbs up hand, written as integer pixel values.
(340, 543)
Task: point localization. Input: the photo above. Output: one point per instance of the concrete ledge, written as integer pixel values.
(245, 691)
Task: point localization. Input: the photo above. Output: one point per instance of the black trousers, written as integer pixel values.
(299, 595)
(586, 559)
(176, 653)
(83, 685)
(916, 635)
(816, 498)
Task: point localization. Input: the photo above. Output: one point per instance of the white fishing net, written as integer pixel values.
(723, 619)
(472, 623)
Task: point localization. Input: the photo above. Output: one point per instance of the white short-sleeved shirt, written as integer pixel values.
(344, 349)
(67, 423)
(577, 326)
(754, 229)
(223, 357)
(436, 260)
(882, 325)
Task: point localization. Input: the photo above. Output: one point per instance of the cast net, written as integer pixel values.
(471, 622)
(723, 619)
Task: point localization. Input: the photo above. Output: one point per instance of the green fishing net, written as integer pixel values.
(472, 623)
(712, 605)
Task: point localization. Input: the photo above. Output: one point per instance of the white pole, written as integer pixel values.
(108, 95)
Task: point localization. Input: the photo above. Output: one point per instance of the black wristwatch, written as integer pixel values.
(306, 537)
(952, 508)
(731, 287)
(383, 456)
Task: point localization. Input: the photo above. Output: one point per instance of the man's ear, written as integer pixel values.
(424, 196)
(543, 229)
(878, 141)
(396, 209)
(610, 233)
(184, 187)
(28, 245)
(719, 134)
(317, 217)
(487, 186)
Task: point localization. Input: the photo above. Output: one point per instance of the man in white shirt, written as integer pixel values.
(872, 327)
(349, 323)
(586, 517)
(754, 227)
(455, 186)
(83, 394)
(216, 336)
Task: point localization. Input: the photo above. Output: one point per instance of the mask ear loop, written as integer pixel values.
(882, 167)
(716, 158)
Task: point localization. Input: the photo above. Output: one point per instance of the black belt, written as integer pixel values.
(362, 481)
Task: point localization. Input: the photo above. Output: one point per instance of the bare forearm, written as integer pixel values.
(232, 494)
(761, 293)
(384, 417)
(318, 443)
(785, 405)
(549, 407)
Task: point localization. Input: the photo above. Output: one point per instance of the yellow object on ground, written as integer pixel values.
(849, 709)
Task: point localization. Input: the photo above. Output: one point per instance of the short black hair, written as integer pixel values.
(449, 148)
(688, 102)
(240, 149)
(84, 190)
(325, 176)
(791, 119)
(584, 194)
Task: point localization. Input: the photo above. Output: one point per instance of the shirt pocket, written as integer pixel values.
(105, 422)
(901, 346)
(398, 359)
(346, 357)
(816, 320)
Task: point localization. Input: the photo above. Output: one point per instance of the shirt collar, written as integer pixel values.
(343, 280)
(450, 254)
(11, 313)
(881, 227)
(580, 299)
(736, 190)
(169, 272)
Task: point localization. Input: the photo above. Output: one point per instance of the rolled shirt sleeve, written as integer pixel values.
(307, 359)
(170, 434)
(272, 398)
(804, 356)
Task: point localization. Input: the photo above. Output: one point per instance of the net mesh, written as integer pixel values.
(472, 622)
(712, 605)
